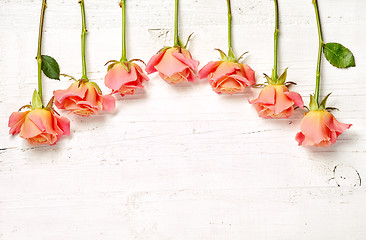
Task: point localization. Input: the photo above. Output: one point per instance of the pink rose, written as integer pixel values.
(275, 101)
(84, 99)
(123, 82)
(319, 128)
(174, 65)
(228, 77)
(39, 126)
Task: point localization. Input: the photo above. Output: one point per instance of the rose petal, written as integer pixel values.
(108, 102)
(266, 96)
(187, 61)
(296, 98)
(16, 121)
(150, 67)
(73, 90)
(249, 74)
(208, 68)
(314, 128)
(169, 65)
(224, 69)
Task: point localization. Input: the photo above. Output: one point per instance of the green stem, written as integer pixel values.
(321, 44)
(124, 54)
(176, 36)
(276, 32)
(83, 34)
(39, 55)
(231, 54)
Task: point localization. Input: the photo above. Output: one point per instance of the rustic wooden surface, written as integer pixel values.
(179, 161)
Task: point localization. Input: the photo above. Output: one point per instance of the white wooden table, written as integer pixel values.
(179, 161)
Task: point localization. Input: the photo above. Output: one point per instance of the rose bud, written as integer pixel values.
(174, 64)
(228, 76)
(320, 128)
(276, 101)
(83, 98)
(124, 78)
(39, 126)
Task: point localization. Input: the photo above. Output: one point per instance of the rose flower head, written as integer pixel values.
(83, 98)
(124, 77)
(39, 125)
(228, 75)
(319, 127)
(275, 100)
(174, 64)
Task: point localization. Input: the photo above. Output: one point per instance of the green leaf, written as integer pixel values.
(313, 105)
(36, 100)
(50, 67)
(282, 79)
(338, 55)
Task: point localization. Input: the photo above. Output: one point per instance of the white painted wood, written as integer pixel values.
(181, 162)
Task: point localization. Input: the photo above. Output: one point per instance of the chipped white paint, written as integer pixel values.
(181, 162)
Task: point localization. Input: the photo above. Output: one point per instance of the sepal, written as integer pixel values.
(313, 105)
(223, 55)
(36, 100)
(69, 76)
(231, 55)
(324, 102)
(96, 87)
(269, 80)
(50, 103)
(189, 38)
(282, 79)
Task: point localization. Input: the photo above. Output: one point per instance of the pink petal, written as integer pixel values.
(109, 103)
(296, 98)
(241, 79)
(334, 125)
(314, 128)
(16, 121)
(282, 101)
(266, 96)
(249, 74)
(300, 138)
(169, 65)
(73, 90)
(224, 69)
(43, 119)
(208, 68)
(140, 72)
(63, 123)
(29, 129)
(150, 67)
(187, 61)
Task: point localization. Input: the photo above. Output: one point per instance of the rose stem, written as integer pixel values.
(276, 32)
(229, 18)
(176, 37)
(321, 44)
(124, 54)
(83, 34)
(39, 56)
